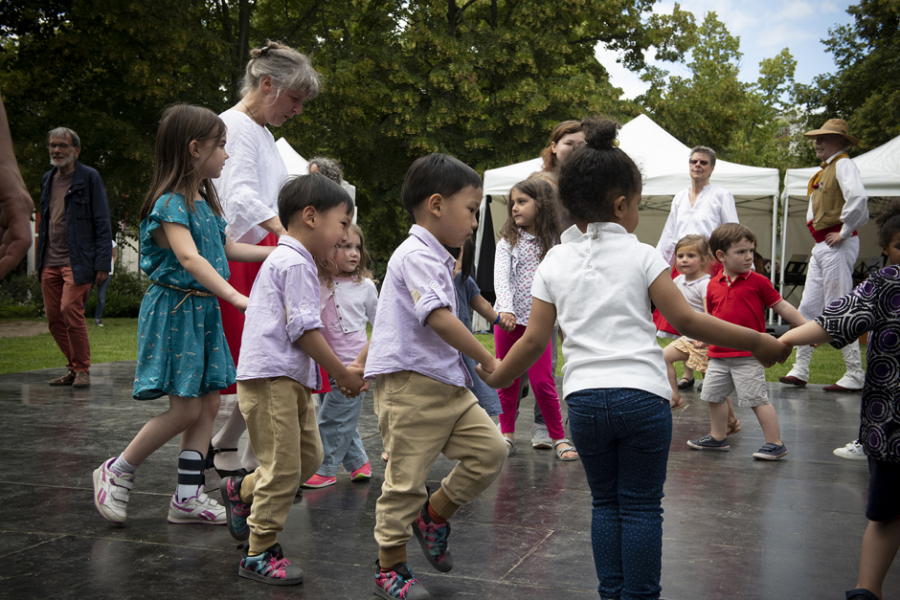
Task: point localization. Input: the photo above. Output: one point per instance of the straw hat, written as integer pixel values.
(834, 127)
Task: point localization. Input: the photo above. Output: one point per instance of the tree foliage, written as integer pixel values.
(865, 89)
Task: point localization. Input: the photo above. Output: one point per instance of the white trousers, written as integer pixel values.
(830, 277)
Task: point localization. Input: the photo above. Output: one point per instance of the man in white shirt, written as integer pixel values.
(837, 208)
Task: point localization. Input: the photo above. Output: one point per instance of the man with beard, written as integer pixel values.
(74, 249)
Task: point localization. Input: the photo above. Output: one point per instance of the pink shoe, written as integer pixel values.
(362, 473)
(317, 481)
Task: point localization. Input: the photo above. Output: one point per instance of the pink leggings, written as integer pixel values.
(540, 376)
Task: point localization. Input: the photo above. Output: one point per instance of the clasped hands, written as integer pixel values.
(353, 384)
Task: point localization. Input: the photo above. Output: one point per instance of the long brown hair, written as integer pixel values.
(561, 130)
(328, 269)
(546, 220)
(173, 170)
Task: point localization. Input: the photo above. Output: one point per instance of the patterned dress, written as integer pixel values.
(874, 307)
(181, 346)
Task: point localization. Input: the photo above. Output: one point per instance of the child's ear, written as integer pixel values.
(720, 255)
(884, 250)
(435, 204)
(194, 148)
(309, 216)
(620, 207)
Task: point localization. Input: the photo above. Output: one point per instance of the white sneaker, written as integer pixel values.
(852, 451)
(111, 492)
(199, 509)
(540, 437)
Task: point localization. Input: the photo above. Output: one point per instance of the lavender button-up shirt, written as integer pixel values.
(284, 304)
(419, 280)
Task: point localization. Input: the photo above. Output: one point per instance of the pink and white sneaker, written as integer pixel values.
(317, 481)
(199, 509)
(361, 474)
(111, 492)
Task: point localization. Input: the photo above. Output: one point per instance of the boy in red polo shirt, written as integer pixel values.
(740, 296)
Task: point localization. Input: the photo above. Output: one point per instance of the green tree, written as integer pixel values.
(865, 89)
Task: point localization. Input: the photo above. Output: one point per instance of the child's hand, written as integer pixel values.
(352, 384)
(240, 302)
(769, 351)
(486, 372)
(699, 345)
(507, 321)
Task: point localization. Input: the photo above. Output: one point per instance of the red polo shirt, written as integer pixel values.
(744, 302)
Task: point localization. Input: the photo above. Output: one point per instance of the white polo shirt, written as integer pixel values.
(598, 281)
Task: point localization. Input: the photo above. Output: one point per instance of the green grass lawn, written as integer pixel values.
(117, 340)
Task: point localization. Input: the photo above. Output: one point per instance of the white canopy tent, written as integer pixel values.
(663, 161)
(297, 165)
(880, 171)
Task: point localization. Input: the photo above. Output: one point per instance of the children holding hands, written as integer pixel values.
(740, 295)
(599, 283)
(415, 356)
(281, 345)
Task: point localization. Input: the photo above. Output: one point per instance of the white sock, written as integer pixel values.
(190, 474)
(122, 466)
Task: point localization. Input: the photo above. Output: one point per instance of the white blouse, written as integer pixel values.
(514, 268)
(599, 283)
(714, 207)
(251, 179)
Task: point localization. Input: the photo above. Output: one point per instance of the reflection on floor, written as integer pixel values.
(734, 527)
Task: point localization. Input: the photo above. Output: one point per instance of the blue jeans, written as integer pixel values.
(101, 298)
(338, 417)
(623, 437)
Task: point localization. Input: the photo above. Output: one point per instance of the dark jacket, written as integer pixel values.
(88, 229)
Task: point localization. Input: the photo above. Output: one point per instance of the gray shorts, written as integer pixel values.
(743, 374)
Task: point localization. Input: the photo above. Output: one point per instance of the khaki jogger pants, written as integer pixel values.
(281, 422)
(419, 419)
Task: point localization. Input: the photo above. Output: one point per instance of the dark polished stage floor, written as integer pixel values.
(734, 527)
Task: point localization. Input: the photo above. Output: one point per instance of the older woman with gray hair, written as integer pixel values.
(277, 81)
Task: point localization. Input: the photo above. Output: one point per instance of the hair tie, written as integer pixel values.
(264, 51)
(615, 143)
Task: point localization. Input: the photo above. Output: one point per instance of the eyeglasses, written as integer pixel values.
(62, 146)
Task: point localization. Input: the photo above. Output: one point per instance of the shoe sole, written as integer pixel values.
(719, 448)
(100, 507)
(361, 478)
(177, 521)
(241, 537)
(318, 486)
(248, 574)
(383, 594)
(60, 384)
(759, 456)
(848, 457)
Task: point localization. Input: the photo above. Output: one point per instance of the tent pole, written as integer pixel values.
(774, 248)
(784, 220)
(479, 234)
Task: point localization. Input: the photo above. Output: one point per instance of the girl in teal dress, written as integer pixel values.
(182, 351)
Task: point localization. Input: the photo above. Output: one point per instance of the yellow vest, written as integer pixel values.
(826, 196)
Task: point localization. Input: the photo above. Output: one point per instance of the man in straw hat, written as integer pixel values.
(837, 208)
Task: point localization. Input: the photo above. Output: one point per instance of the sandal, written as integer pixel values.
(222, 473)
(561, 451)
(685, 383)
(510, 446)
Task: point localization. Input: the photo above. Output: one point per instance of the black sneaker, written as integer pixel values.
(771, 452)
(708, 442)
(270, 567)
(398, 584)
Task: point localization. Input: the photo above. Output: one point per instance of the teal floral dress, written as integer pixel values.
(181, 345)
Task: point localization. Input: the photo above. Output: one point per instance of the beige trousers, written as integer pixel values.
(419, 419)
(281, 422)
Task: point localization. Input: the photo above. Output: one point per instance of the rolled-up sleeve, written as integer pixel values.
(428, 281)
(244, 209)
(301, 301)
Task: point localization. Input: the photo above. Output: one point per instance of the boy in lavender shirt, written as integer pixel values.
(279, 351)
(424, 408)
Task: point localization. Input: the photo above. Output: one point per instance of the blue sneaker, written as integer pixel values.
(771, 452)
(398, 584)
(236, 510)
(708, 442)
(270, 567)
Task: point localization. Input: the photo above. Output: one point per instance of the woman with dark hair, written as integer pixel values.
(277, 82)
